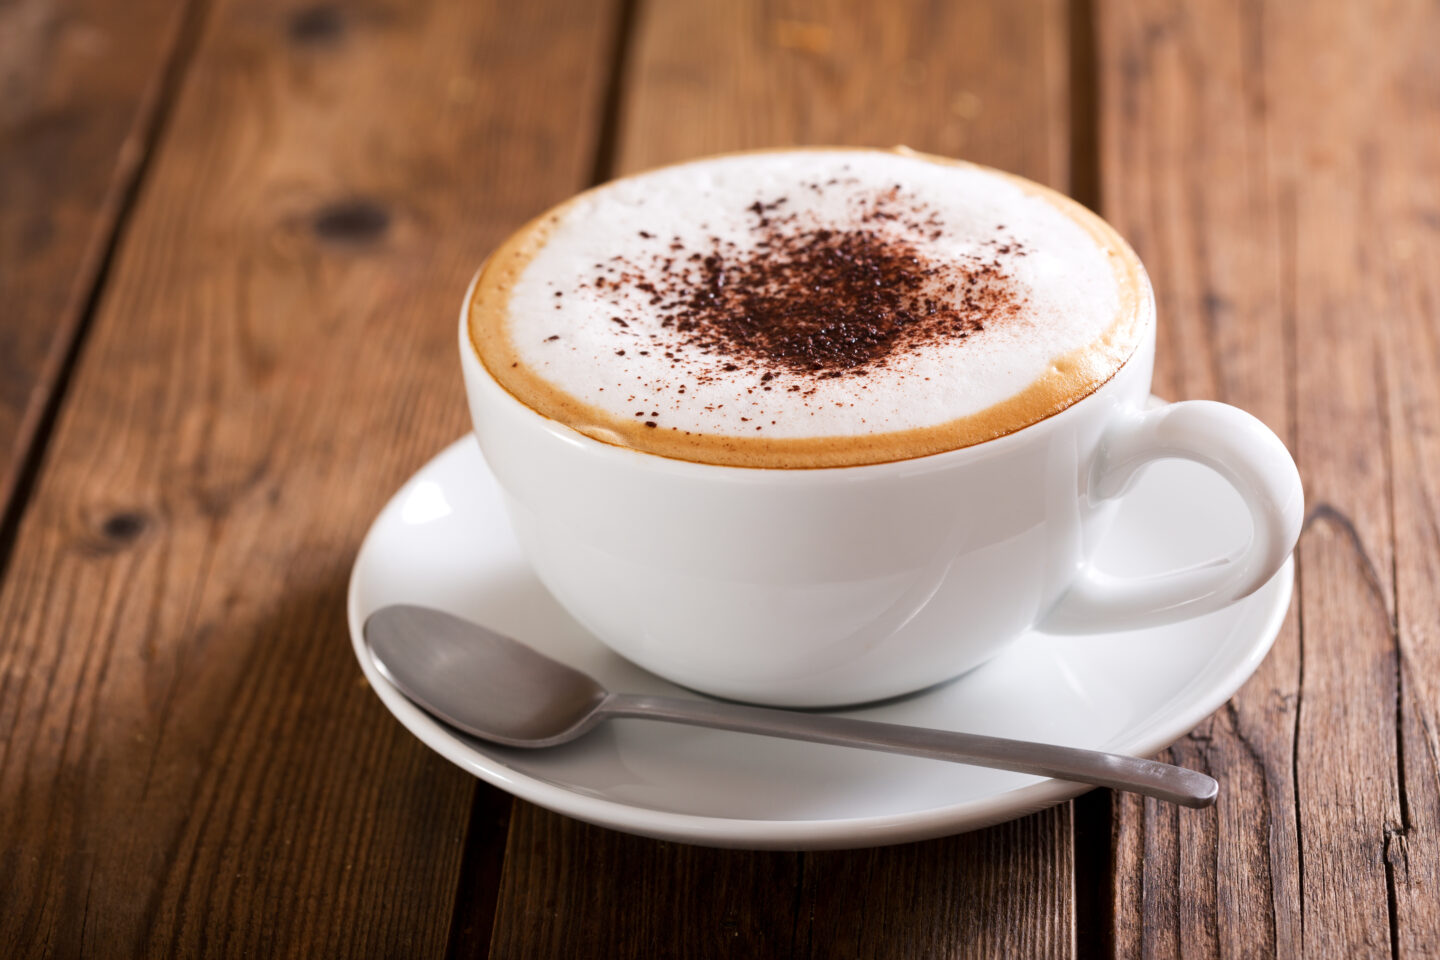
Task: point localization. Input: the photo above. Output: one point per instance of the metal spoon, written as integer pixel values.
(500, 690)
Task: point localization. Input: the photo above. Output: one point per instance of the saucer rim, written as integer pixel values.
(805, 834)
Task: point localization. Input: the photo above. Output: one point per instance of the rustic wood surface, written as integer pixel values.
(1188, 174)
(84, 87)
(232, 237)
(1270, 166)
(190, 763)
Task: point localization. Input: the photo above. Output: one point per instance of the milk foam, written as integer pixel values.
(583, 316)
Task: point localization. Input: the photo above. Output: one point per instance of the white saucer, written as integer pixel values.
(444, 541)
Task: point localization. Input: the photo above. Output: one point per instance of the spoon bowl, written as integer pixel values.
(480, 681)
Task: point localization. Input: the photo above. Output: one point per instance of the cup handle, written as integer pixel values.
(1238, 447)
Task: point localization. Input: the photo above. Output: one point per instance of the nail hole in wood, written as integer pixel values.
(317, 25)
(352, 221)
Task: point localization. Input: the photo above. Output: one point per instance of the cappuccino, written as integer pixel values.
(809, 308)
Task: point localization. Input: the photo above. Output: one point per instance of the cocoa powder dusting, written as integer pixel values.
(820, 300)
(830, 302)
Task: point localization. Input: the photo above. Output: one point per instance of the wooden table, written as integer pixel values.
(233, 238)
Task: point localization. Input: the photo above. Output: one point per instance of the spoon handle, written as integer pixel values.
(1149, 777)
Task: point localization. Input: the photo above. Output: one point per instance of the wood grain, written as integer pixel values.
(1003, 892)
(81, 89)
(189, 761)
(1246, 150)
(573, 890)
(1187, 178)
(1402, 159)
(982, 81)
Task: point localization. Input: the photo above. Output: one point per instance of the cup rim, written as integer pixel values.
(1053, 388)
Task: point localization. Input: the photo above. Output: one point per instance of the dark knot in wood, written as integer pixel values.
(355, 221)
(124, 526)
(317, 25)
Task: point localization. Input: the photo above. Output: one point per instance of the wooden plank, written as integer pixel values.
(1243, 149)
(573, 890)
(189, 761)
(1002, 892)
(1180, 116)
(1405, 220)
(987, 82)
(995, 892)
(84, 83)
(978, 80)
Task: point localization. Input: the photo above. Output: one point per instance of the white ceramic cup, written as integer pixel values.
(838, 586)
